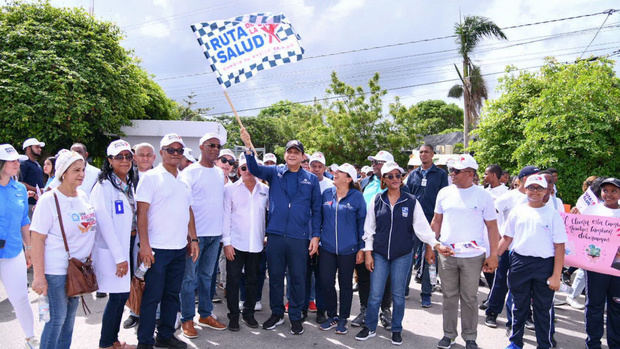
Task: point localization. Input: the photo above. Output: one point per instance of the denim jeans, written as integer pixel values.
(58, 331)
(398, 270)
(111, 319)
(199, 274)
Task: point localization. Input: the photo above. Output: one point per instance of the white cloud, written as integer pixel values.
(155, 29)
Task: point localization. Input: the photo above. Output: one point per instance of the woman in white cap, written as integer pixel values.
(115, 208)
(49, 257)
(15, 240)
(342, 228)
(393, 218)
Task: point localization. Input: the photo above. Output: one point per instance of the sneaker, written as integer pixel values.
(296, 327)
(397, 339)
(250, 321)
(491, 320)
(273, 321)
(172, 342)
(426, 301)
(342, 327)
(312, 307)
(286, 307)
(471, 344)
(131, 321)
(216, 299)
(445, 343)
(330, 323)
(188, 329)
(386, 319)
(101, 295)
(32, 343)
(233, 323)
(356, 287)
(513, 346)
(558, 301)
(529, 324)
(484, 305)
(574, 303)
(360, 319)
(212, 323)
(258, 306)
(320, 317)
(364, 334)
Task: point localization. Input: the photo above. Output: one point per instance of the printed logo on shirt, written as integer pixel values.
(305, 181)
(348, 206)
(328, 203)
(87, 221)
(405, 211)
(263, 194)
(75, 217)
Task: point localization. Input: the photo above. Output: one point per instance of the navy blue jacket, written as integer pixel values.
(342, 226)
(394, 228)
(290, 213)
(436, 179)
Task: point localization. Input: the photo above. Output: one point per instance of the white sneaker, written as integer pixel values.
(558, 301)
(574, 303)
(240, 305)
(32, 343)
(258, 306)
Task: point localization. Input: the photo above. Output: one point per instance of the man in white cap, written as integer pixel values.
(317, 167)
(30, 171)
(269, 159)
(167, 235)
(206, 183)
(462, 211)
(187, 159)
(90, 172)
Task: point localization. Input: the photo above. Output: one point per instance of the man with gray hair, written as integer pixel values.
(90, 172)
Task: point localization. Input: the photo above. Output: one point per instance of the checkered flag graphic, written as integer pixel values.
(240, 47)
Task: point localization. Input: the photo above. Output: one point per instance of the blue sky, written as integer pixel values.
(159, 34)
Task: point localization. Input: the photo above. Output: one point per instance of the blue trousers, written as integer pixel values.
(329, 264)
(602, 289)
(527, 280)
(199, 276)
(499, 289)
(111, 319)
(162, 285)
(58, 332)
(282, 253)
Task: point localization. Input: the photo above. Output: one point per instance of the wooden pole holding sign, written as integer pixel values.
(238, 119)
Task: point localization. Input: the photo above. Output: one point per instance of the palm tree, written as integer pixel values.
(473, 89)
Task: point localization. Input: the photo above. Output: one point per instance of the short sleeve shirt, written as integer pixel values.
(535, 230)
(13, 216)
(31, 173)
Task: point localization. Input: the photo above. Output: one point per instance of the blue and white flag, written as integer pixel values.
(240, 47)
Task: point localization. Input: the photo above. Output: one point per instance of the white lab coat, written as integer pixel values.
(112, 238)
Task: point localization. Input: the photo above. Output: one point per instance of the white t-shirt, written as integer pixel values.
(168, 215)
(601, 210)
(244, 216)
(464, 214)
(90, 178)
(505, 203)
(325, 183)
(497, 191)
(79, 221)
(207, 189)
(535, 230)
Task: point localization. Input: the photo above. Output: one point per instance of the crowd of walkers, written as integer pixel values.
(165, 233)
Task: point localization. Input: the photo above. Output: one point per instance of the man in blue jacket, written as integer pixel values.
(294, 202)
(425, 182)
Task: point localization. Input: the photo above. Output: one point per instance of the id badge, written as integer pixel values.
(423, 182)
(119, 207)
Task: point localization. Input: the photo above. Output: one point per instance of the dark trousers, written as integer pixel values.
(313, 269)
(111, 319)
(262, 270)
(162, 285)
(602, 289)
(499, 288)
(282, 253)
(243, 261)
(329, 264)
(363, 284)
(527, 281)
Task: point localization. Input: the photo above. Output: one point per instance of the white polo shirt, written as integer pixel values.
(535, 230)
(244, 216)
(168, 214)
(464, 214)
(207, 190)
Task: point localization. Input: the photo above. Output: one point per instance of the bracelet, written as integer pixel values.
(194, 240)
(27, 247)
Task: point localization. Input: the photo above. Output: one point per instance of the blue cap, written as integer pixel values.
(528, 171)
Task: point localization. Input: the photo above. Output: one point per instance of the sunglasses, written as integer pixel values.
(377, 162)
(243, 168)
(171, 151)
(537, 188)
(305, 161)
(121, 157)
(455, 171)
(213, 145)
(392, 176)
(226, 161)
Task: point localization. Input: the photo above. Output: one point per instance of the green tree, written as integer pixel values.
(425, 118)
(565, 116)
(64, 77)
(473, 89)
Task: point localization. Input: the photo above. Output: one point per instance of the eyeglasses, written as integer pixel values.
(454, 171)
(213, 145)
(377, 162)
(171, 151)
(121, 157)
(243, 168)
(392, 176)
(224, 160)
(305, 161)
(536, 188)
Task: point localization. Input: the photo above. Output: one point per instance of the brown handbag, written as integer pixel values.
(81, 277)
(135, 295)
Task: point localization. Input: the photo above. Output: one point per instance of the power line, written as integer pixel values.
(609, 13)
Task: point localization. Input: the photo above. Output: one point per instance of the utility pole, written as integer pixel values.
(91, 10)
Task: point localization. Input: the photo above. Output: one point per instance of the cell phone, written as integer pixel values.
(2, 242)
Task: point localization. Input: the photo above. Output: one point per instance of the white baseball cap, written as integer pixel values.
(382, 155)
(169, 139)
(32, 141)
(64, 160)
(210, 135)
(118, 146)
(536, 179)
(414, 161)
(348, 169)
(366, 169)
(8, 153)
(270, 157)
(187, 153)
(389, 167)
(333, 167)
(227, 152)
(243, 161)
(317, 156)
(462, 162)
